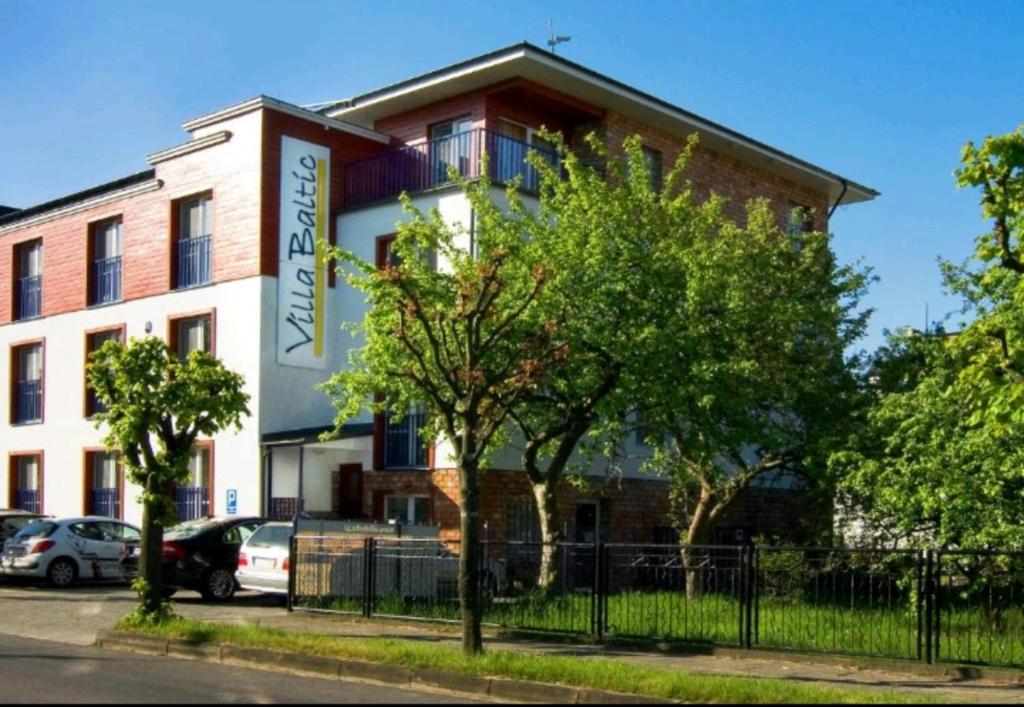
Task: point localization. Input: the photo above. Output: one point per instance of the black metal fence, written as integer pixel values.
(963, 607)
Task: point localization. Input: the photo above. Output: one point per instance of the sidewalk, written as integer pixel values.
(835, 671)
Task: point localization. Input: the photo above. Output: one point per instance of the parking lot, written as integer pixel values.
(74, 614)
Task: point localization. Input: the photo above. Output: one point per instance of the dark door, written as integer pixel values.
(350, 491)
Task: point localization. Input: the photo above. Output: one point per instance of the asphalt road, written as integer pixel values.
(35, 671)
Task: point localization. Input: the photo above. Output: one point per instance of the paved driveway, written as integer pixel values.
(75, 614)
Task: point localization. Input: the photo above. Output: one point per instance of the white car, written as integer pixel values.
(63, 550)
(263, 559)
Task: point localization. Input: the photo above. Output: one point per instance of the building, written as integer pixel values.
(214, 246)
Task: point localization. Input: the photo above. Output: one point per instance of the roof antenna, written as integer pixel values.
(555, 39)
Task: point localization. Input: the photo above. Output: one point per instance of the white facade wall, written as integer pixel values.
(65, 433)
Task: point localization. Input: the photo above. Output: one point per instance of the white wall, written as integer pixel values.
(65, 433)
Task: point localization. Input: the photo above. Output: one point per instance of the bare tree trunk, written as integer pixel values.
(547, 509)
(697, 533)
(150, 560)
(469, 557)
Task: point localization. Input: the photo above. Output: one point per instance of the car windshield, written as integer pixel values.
(189, 529)
(271, 536)
(38, 529)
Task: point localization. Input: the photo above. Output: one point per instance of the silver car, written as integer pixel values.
(63, 550)
(263, 559)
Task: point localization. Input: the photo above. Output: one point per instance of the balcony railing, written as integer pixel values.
(193, 502)
(28, 500)
(404, 446)
(106, 502)
(30, 297)
(193, 261)
(106, 280)
(28, 403)
(416, 168)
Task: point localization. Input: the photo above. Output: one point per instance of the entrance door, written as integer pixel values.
(586, 522)
(350, 491)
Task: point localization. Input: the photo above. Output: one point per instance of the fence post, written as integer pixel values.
(292, 571)
(750, 579)
(936, 595)
(921, 600)
(755, 600)
(369, 572)
(929, 603)
(596, 623)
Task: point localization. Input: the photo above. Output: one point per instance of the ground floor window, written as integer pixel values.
(27, 482)
(406, 509)
(193, 495)
(103, 484)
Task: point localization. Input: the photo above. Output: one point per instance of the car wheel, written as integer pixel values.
(62, 572)
(219, 584)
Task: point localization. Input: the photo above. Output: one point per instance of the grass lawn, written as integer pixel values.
(966, 634)
(591, 673)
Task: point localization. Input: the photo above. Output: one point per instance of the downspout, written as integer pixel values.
(838, 200)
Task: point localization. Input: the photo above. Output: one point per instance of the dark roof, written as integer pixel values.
(15, 216)
(4, 210)
(354, 102)
(308, 435)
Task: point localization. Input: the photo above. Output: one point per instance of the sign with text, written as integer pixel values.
(301, 272)
(232, 503)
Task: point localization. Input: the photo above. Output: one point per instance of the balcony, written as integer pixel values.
(404, 447)
(106, 280)
(193, 502)
(28, 402)
(193, 262)
(106, 502)
(28, 500)
(29, 297)
(417, 168)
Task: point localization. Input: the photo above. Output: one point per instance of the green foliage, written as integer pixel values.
(149, 395)
(940, 456)
(155, 406)
(746, 373)
(140, 617)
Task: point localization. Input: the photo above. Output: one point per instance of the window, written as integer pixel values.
(404, 446)
(406, 509)
(653, 162)
(103, 483)
(451, 146)
(105, 268)
(27, 482)
(800, 220)
(27, 383)
(194, 333)
(93, 342)
(193, 496)
(28, 279)
(192, 247)
(508, 149)
(523, 521)
(385, 256)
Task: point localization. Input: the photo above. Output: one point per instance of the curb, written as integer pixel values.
(501, 689)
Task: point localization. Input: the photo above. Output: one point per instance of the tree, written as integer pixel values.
(750, 375)
(155, 406)
(465, 337)
(939, 457)
(609, 239)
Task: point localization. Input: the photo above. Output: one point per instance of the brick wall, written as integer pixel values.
(415, 124)
(230, 171)
(633, 508)
(345, 147)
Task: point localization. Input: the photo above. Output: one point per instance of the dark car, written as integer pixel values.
(203, 555)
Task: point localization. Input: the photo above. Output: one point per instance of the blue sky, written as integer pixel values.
(884, 93)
